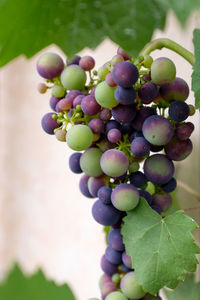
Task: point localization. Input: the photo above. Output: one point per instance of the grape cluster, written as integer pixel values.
(126, 123)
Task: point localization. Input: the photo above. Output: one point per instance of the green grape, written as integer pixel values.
(192, 109)
(116, 296)
(116, 278)
(130, 287)
(79, 137)
(163, 71)
(102, 72)
(148, 60)
(90, 162)
(73, 78)
(105, 95)
(134, 167)
(58, 91)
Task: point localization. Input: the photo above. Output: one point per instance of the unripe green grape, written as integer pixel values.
(116, 296)
(148, 60)
(192, 109)
(134, 167)
(116, 59)
(102, 72)
(116, 278)
(73, 78)
(105, 95)
(130, 287)
(58, 91)
(163, 71)
(79, 137)
(90, 162)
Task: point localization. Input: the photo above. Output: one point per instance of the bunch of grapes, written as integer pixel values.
(126, 123)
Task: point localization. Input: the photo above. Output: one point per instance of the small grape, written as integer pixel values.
(163, 71)
(124, 113)
(74, 61)
(58, 91)
(111, 125)
(42, 88)
(53, 102)
(61, 135)
(148, 60)
(107, 288)
(138, 179)
(64, 105)
(179, 111)
(73, 78)
(87, 63)
(163, 201)
(104, 194)
(170, 186)
(125, 96)
(114, 135)
(192, 109)
(83, 186)
(102, 72)
(109, 80)
(96, 125)
(148, 92)
(116, 59)
(106, 266)
(134, 167)
(115, 239)
(90, 106)
(79, 137)
(50, 65)
(105, 114)
(140, 147)
(184, 131)
(113, 256)
(126, 259)
(178, 150)
(95, 183)
(77, 100)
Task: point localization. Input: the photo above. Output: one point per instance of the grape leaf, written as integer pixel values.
(18, 287)
(29, 26)
(189, 289)
(161, 249)
(196, 68)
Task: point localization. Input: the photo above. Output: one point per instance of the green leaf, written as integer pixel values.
(18, 287)
(161, 249)
(189, 289)
(182, 8)
(196, 68)
(29, 26)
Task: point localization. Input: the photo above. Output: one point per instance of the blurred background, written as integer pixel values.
(45, 222)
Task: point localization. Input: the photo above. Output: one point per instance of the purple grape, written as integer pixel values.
(170, 186)
(126, 128)
(184, 131)
(111, 125)
(125, 268)
(125, 96)
(95, 183)
(156, 209)
(157, 130)
(108, 267)
(124, 113)
(176, 90)
(104, 278)
(115, 239)
(77, 100)
(74, 162)
(105, 114)
(73, 94)
(138, 179)
(146, 195)
(74, 61)
(114, 163)
(126, 259)
(96, 125)
(140, 146)
(136, 134)
(50, 65)
(125, 197)
(155, 148)
(163, 201)
(141, 116)
(53, 101)
(109, 80)
(148, 92)
(158, 169)
(114, 135)
(107, 287)
(64, 105)
(122, 53)
(106, 215)
(87, 63)
(178, 150)
(179, 111)
(104, 194)
(125, 74)
(90, 106)
(49, 124)
(83, 186)
(113, 256)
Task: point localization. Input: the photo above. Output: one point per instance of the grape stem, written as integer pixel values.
(158, 44)
(188, 189)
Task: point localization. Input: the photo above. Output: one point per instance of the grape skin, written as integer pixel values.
(49, 124)
(79, 137)
(73, 78)
(90, 162)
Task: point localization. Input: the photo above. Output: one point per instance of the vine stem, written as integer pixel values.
(188, 189)
(158, 44)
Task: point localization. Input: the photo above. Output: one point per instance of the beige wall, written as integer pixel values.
(44, 220)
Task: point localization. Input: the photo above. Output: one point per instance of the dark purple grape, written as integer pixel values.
(90, 106)
(108, 267)
(125, 96)
(113, 256)
(115, 239)
(147, 77)
(176, 90)
(74, 61)
(138, 179)
(141, 116)
(170, 186)
(157, 130)
(87, 63)
(53, 101)
(148, 92)
(109, 80)
(114, 135)
(50, 65)
(126, 259)
(104, 194)
(125, 74)
(126, 128)
(125, 55)
(83, 186)
(156, 208)
(124, 113)
(178, 150)
(136, 134)
(74, 162)
(73, 94)
(49, 124)
(155, 148)
(106, 215)
(112, 124)
(179, 111)
(184, 131)
(140, 146)
(96, 125)
(125, 268)
(146, 195)
(95, 183)
(105, 114)
(163, 201)
(77, 100)
(158, 169)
